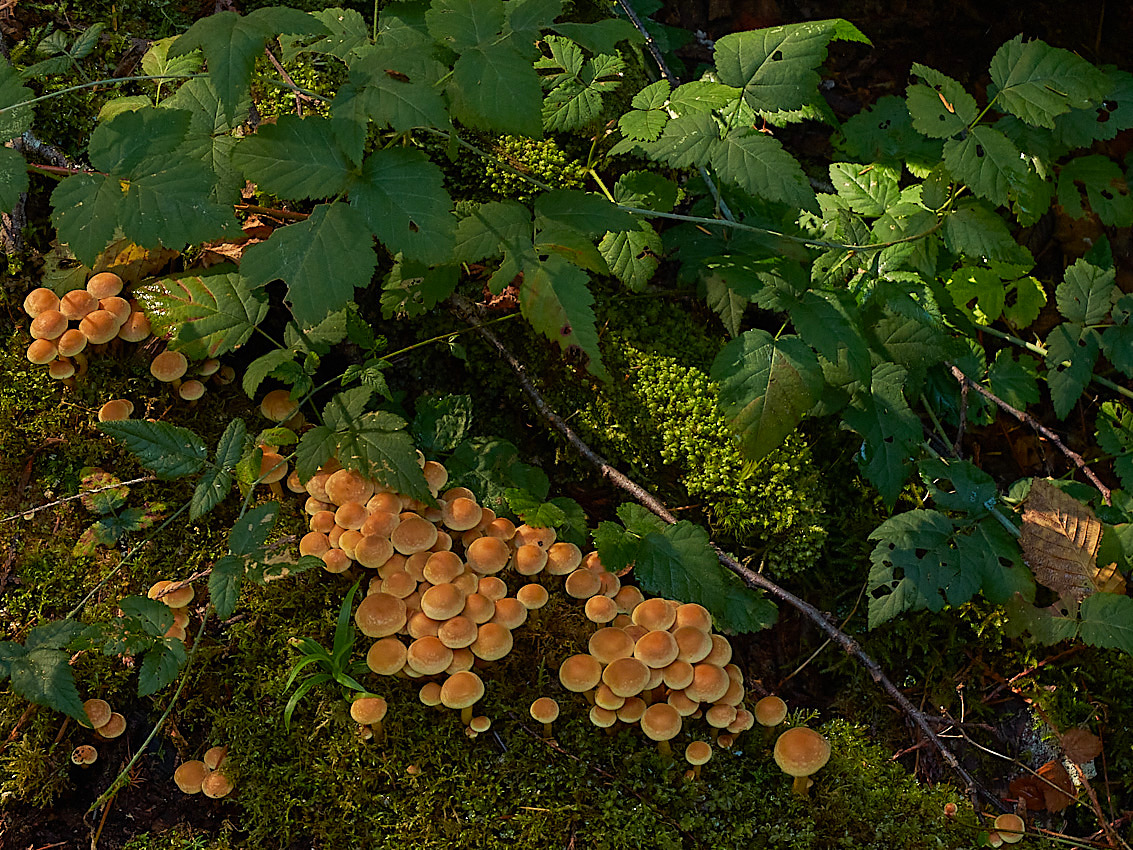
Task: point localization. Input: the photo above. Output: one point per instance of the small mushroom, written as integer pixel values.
(546, 711)
(1011, 828)
(84, 755)
(697, 754)
(800, 752)
(189, 775)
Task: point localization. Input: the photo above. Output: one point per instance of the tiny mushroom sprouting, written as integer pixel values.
(189, 775)
(800, 752)
(84, 755)
(1010, 827)
(546, 711)
(769, 713)
(697, 754)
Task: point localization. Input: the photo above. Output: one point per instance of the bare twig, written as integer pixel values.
(1025, 417)
(749, 576)
(39, 508)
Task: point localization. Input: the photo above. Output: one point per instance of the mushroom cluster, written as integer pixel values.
(171, 367)
(205, 775)
(63, 328)
(178, 601)
(106, 722)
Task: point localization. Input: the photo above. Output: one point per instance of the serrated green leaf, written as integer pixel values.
(1080, 127)
(688, 141)
(766, 387)
(775, 67)
(1115, 437)
(316, 447)
(1014, 381)
(231, 44)
(1037, 82)
(157, 63)
(646, 189)
(493, 87)
(378, 448)
(295, 158)
(1025, 299)
(1045, 624)
(1072, 351)
(728, 304)
(250, 532)
(263, 367)
(970, 284)
(83, 212)
(582, 211)
(463, 24)
(976, 231)
(758, 164)
(643, 125)
(572, 245)
(532, 511)
(911, 227)
(957, 485)
(492, 228)
(528, 18)
(868, 189)
(1117, 343)
(224, 584)
(209, 140)
(154, 616)
(600, 36)
(889, 429)
(14, 118)
(121, 145)
(402, 196)
(346, 406)
(210, 314)
(441, 422)
(397, 89)
(555, 300)
(885, 133)
(13, 178)
(1106, 189)
(161, 665)
(1107, 621)
(574, 527)
(489, 466)
(575, 86)
(987, 162)
(942, 108)
(55, 634)
(43, 676)
(169, 450)
(1086, 293)
(911, 568)
(702, 96)
(216, 481)
(346, 32)
(413, 289)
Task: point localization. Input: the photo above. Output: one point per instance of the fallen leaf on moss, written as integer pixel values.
(1081, 745)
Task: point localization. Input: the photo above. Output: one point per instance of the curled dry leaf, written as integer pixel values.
(1060, 543)
(1081, 745)
(1051, 789)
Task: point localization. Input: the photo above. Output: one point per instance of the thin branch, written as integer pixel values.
(1025, 417)
(753, 579)
(39, 508)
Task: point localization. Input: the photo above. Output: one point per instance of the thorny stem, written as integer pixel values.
(39, 508)
(749, 576)
(1025, 417)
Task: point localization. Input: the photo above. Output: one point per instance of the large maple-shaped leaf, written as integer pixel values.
(494, 228)
(889, 428)
(402, 197)
(758, 164)
(987, 162)
(231, 44)
(555, 300)
(295, 158)
(1037, 82)
(321, 259)
(775, 67)
(1071, 353)
(212, 313)
(83, 212)
(766, 387)
(493, 87)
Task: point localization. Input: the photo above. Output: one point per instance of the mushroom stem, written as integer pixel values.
(801, 785)
(664, 749)
(377, 730)
(466, 715)
(276, 490)
(546, 730)
(696, 771)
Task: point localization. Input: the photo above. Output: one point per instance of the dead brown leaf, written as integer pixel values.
(1060, 543)
(1081, 745)
(1058, 789)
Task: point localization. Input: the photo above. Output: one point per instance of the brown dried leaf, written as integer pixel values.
(1058, 789)
(1081, 745)
(1029, 790)
(1060, 541)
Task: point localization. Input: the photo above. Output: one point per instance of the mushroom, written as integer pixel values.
(40, 300)
(800, 752)
(169, 366)
(661, 722)
(214, 757)
(769, 713)
(193, 390)
(104, 285)
(546, 711)
(189, 775)
(697, 754)
(84, 755)
(115, 410)
(113, 727)
(462, 690)
(216, 785)
(369, 711)
(98, 712)
(1010, 828)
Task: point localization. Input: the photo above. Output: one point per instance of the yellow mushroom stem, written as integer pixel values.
(801, 785)
(664, 749)
(377, 730)
(546, 730)
(466, 715)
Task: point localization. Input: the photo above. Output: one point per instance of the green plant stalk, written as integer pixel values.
(95, 83)
(121, 778)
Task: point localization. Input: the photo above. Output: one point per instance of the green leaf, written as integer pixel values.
(1117, 343)
(1025, 300)
(316, 447)
(1014, 381)
(124, 143)
(528, 18)
(495, 88)
(14, 119)
(885, 133)
(1107, 621)
(775, 67)
(161, 665)
(13, 178)
(1086, 293)
(555, 300)
(1106, 190)
(759, 165)
(975, 283)
(43, 676)
(322, 260)
(646, 189)
(346, 32)
(295, 158)
(688, 141)
(574, 527)
(152, 615)
(250, 532)
(376, 445)
(157, 63)
(575, 86)
(702, 96)
(224, 584)
(957, 485)
(412, 289)
(1072, 351)
(643, 126)
(535, 513)
(169, 450)
(231, 43)
(869, 189)
(1115, 437)
(911, 568)
(600, 36)
(217, 480)
(976, 231)
(582, 211)
(492, 228)
(402, 196)
(209, 141)
(397, 89)
(489, 466)
(265, 366)
(210, 314)
(1081, 127)
(55, 634)
(463, 24)
(890, 431)
(1037, 82)
(766, 387)
(441, 422)
(987, 162)
(941, 109)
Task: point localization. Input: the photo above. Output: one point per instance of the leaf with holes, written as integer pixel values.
(957, 485)
(1086, 293)
(911, 568)
(397, 88)
(889, 431)
(1071, 353)
(211, 313)
(942, 108)
(555, 300)
(987, 162)
(1115, 437)
(1037, 82)
(1014, 381)
(766, 387)
(169, 450)
(1106, 189)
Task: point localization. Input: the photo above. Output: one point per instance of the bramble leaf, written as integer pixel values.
(213, 312)
(216, 481)
(1115, 437)
(766, 387)
(463, 24)
(14, 119)
(13, 178)
(1107, 621)
(885, 133)
(1037, 82)
(250, 532)
(868, 189)
(575, 86)
(957, 485)
(295, 158)
(169, 450)
(977, 231)
(600, 36)
(688, 141)
(224, 584)
(377, 445)
(1086, 293)
(1014, 381)
(987, 162)
(42, 676)
(413, 289)
(161, 665)
(396, 88)
(441, 422)
(911, 568)
(1106, 190)
(889, 430)
(495, 88)
(1072, 351)
(942, 108)
(322, 260)
(758, 164)
(346, 32)
(556, 301)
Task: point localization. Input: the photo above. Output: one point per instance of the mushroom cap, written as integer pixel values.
(40, 299)
(533, 596)
(698, 752)
(610, 643)
(529, 559)
(346, 485)
(478, 608)
(628, 598)
(487, 555)
(582, 584)
(442, 601)
(509, 613)
(367, 710)
(626, 677)
(77, 303)
(98, 712)
(677, 675)
(135, 328)
(104, 285)
(493, 587)
(545, 710)
(693, 644)
(695, 615)
(113, 727)
(71, 342)
(60, 369)
(580, 673)
(430, 693)
(458, 632)
(493, 641)
(721, 652)
(654, 614)
(528, 534)
(177, 599)
(600, 609)
(709, 683)
(1010, 827)
(606, 698)
(414, 534)
(563, 558)
(214, 757)
(462, 689)
(631, 710)
(603, 718)
(380, 615)
(428, 655)
(480, 724)
(169, 366)
(770, 711)
(49, 324)
(660, 722)
(656, 649)
(189, 775)
(461, 514)
(386, 656)
(216, 785)
(42, 351)
(118, 307)
(278, 406)
(801, 751)
(193, 390)
(442, 567)
(84, 755)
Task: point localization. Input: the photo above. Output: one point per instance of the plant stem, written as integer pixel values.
(95, 83)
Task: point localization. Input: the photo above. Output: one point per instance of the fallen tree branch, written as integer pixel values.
(466, 310)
